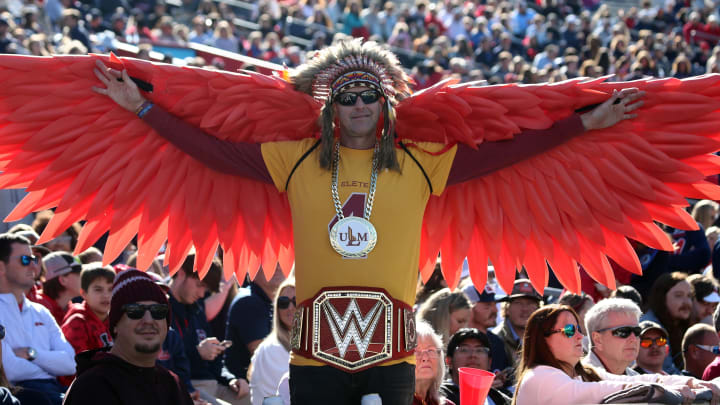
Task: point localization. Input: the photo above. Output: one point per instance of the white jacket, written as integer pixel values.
(34, 327)
(269, 362)
(544, 385)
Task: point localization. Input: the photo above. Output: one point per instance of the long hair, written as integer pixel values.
(535, 350)
(437, 309)
(280, 331)
(425, 330)
(316, 76)
(676, 327)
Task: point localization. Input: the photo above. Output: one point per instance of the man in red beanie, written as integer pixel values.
(127, 374)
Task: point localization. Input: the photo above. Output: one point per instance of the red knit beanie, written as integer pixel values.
(133, 286)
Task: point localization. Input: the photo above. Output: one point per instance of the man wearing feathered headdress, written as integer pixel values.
(354, 329)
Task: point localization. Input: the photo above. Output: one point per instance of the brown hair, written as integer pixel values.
(657, 303)
(535, 350)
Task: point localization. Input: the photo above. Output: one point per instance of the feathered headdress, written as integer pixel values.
(352, 63)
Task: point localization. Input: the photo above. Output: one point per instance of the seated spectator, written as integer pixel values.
(204, 351)
(173, 357)
(6, 395)
(127, 373)
(224, 38)
(92, 254)
(429, 368)
(271, 360)
(581, 303)
(712, 371)
(35, 351)
(706, 297)
(629, 292)
(670, 306)
(484, 316)
(62, 283)
(653, 348)
(249, 320)
(86, 324)
(470, 348)
(700, 347)
(612, 325)
(446, 312)
(516, 309)
(550, 371)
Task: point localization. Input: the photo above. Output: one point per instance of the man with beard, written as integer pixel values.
(484, 316)
(469, 347)
(127, 373)
(516, 309)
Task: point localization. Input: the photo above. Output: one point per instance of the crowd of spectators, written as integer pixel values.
(499, 41)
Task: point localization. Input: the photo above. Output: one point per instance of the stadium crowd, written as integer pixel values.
(228, 341)
(64, 320)
(500, 41)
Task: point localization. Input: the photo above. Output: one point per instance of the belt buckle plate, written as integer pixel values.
(352, 329)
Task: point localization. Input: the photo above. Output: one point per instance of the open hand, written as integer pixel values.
(613, 110)
(118, 86)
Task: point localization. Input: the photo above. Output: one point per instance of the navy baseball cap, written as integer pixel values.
(487, 295)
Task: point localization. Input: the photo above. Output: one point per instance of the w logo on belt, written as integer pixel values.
(352, 326)
(352, 329)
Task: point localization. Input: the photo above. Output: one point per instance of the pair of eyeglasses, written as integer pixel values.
(477, 350)
(284, 302)
(349, 98)
(137, 311)
(432, 353)
(25, 260)
(2, 332)
(623, 332)
(647, 342)
(711, 349)
(568, 330)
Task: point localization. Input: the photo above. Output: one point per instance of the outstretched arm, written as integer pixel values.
(235, 158)
(471, 163)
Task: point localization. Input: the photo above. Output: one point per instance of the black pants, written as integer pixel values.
(311, 385)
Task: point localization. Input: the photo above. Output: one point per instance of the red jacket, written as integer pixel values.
(49, 303)
(84, 330)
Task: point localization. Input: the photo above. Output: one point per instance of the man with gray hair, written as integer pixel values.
(612, 325)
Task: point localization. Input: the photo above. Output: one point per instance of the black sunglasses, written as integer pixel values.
(284, 302)
(2, 332)
(137, 311)
(25, 260)
(349, 99)
(623, 332)
(568, 330)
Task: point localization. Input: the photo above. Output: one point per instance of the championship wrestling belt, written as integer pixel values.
(353, 328)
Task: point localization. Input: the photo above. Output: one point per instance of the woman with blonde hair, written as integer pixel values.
(271, 359)
(705, 212)
(446, 312)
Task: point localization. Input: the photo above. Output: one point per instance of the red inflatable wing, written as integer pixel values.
(577, 203)
(78, 151)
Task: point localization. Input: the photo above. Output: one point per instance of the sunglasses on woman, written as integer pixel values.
(623, 332)
(349, 99)
(25, 260)
(648, 342)
(284, 302)
(137, 311)
(568, 330)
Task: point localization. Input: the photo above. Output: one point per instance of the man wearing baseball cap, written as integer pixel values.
(484, 316)
(127, 373)
(62, 283)
(706, 296)
(653, 348)
(516, 309)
